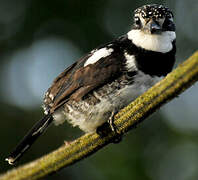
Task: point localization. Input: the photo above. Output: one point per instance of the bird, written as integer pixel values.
(88, 93)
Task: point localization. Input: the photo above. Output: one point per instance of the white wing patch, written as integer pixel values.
(130, 62)
(97, 55)
(153, 42)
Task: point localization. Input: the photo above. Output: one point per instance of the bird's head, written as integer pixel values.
(153, 28)
(153, 19)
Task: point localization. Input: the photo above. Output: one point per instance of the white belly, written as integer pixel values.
(89, 117)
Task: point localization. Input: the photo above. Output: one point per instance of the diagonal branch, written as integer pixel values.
(170, 87)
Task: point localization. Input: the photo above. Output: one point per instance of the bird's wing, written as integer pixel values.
(78, 80)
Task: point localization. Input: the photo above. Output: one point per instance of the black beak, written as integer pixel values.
(152, 27)
(155, 28)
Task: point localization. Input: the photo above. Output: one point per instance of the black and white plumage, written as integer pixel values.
(109, 77)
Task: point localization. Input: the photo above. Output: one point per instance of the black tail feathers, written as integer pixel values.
(29, 139)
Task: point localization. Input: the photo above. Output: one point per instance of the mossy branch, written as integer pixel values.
(170, 87)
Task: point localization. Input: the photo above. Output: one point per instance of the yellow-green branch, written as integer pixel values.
(175, 83)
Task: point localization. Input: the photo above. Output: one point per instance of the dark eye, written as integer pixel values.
(137, 21)
(169, 25)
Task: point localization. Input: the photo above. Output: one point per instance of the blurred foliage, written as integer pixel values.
(158, 149)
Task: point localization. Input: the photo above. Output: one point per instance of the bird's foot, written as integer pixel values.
(67, 143)
(109, 127)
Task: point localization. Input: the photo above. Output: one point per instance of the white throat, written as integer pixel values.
(153, 42)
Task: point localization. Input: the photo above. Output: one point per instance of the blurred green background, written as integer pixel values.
(40, 38)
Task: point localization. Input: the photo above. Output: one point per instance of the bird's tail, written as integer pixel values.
(29, 139)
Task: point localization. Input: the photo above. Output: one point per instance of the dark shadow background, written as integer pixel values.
(40, 38)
